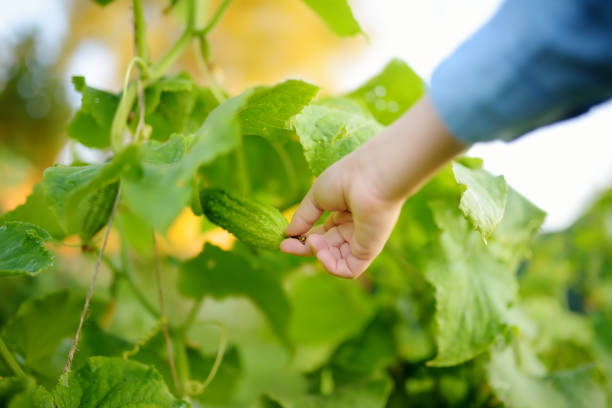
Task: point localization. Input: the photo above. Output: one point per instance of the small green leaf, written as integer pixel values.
(91, 124)
(21, 249)
(337, 15)
(221, 274)
(521, 387)
(484, 199)
(269, 109)
(114, 383)
(391, 92)
(473, 289)
(331, 128)
(176, 105)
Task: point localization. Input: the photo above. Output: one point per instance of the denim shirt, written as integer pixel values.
(534, 63)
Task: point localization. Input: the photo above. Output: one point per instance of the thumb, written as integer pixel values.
(307, 213)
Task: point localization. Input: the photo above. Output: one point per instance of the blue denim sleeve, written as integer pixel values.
(534, 63)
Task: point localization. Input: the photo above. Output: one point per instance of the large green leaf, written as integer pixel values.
(331, 128)
(166, 182)
(114, 383)
(365, 394)
(484, 198)
(337, 15)
(269, 109)
(22, 250)
(91, 124)
(522, 387)
(220, 274)
(391, 92)
(473, 289)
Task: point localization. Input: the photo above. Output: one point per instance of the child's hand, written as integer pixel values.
(365, 190)
(360, 222)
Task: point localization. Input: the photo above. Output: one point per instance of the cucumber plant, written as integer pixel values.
(439, 319)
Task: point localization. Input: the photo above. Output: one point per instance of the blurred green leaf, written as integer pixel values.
(391, 92)
(331, 128)
(269, 109)
(22, 250)
(366, 394)
(114, 382)
(337, 15)
(91, 125)
(517, 387)
(220, 274)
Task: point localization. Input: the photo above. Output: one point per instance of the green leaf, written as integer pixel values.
(82, 197)
(484, 198)
(325, 313)
(36, 211)
(511, 241)
(91, 124)
(520, 387)
(337, 15)
(40, 325)
(165, 184)
(473, 289)
(331, 128)
(176, 105)
(221, 274)
(114, 382)
(269, 109)
(371, 350)
(22, 250)
(364, 394)
(36, 397)
(390, 93)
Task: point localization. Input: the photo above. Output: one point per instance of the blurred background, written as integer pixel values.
(561, 168)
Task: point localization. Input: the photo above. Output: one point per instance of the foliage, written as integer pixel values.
(465, 306)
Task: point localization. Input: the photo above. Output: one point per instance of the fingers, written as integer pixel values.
(334, 252)
(305, 216)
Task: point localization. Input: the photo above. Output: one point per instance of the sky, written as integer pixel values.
(560, 168)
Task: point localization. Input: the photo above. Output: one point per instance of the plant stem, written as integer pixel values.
(9, 360)
(243, 173)
(140, 31)
(193, 313)
(162, 310)
(215, 18)
(75, 341)
(172, 54)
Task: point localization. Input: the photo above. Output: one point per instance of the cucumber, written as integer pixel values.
(256, 224)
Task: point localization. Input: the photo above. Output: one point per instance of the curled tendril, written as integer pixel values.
(143, 341)
(196, 387)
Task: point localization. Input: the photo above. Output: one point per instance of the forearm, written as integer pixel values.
(407, 153)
